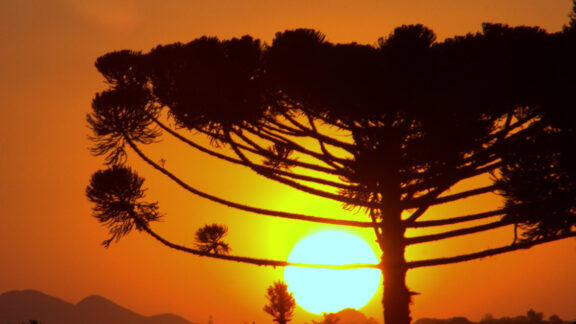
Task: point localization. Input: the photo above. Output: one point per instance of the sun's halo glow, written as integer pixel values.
(330, 290)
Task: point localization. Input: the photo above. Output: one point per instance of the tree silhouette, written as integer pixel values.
(117, 193)
(389, 130)
(209, 239)
(531, 317)
(572, 16)
(281, 303)
(534, 317)
(328, 318)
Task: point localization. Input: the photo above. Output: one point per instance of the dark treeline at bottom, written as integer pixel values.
(531, 317)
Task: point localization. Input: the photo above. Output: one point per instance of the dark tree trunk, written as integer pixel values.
(396, 299)
(386, 163)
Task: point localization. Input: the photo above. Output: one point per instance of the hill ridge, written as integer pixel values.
(19, 306)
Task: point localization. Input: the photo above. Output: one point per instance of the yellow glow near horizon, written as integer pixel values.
(328, 290)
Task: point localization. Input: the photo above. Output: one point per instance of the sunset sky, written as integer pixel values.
(49, 241)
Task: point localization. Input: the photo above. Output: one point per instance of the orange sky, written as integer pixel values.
(49, 242)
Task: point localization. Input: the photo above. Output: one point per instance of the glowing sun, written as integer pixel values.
(329, 290)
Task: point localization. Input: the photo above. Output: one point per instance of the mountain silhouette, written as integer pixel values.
(353, 316)
(24, 305)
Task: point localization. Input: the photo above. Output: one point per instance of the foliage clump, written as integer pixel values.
(281, 303)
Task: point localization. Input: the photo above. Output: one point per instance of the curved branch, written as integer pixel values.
(269, 135)
(195, 145)
(325, 151)
(328, 140)
(464, 173)
(430, 201)
(255, 261)
(508, 127)
(454, 233)
(464, 194)
(486, 253)
(246, 208)
(283, 129)
(260, 151)
(431, 198)
(456, 220)
(299, 186)
(237, 161)
(336, 123)
(275, 138)
(421, 210)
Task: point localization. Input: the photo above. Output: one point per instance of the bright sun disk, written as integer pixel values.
(329, 290)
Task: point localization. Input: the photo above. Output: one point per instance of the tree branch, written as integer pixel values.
(195, 145)
(486, 253)
(430, 201)
(454, 233)
(260, 151)
(240, 162)
(299, 186)
(325, 151)
(275, 125)
(246, 208)
(328, 140)
(431, 198)
(254, 261)
(463, 173)
(277, 139)
(456, 220)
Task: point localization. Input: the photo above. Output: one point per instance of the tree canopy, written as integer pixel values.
(386, 129)
(281, 303)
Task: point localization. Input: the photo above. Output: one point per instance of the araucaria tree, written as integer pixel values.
(281, 303)
(386, 129)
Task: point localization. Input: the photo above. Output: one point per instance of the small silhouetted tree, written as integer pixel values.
(117, 194)
(572, 16)
(487, 318)
(534, 317)
(281, 303)
(328, 318)
(555, 319)
(209, 239)
(389, 130)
